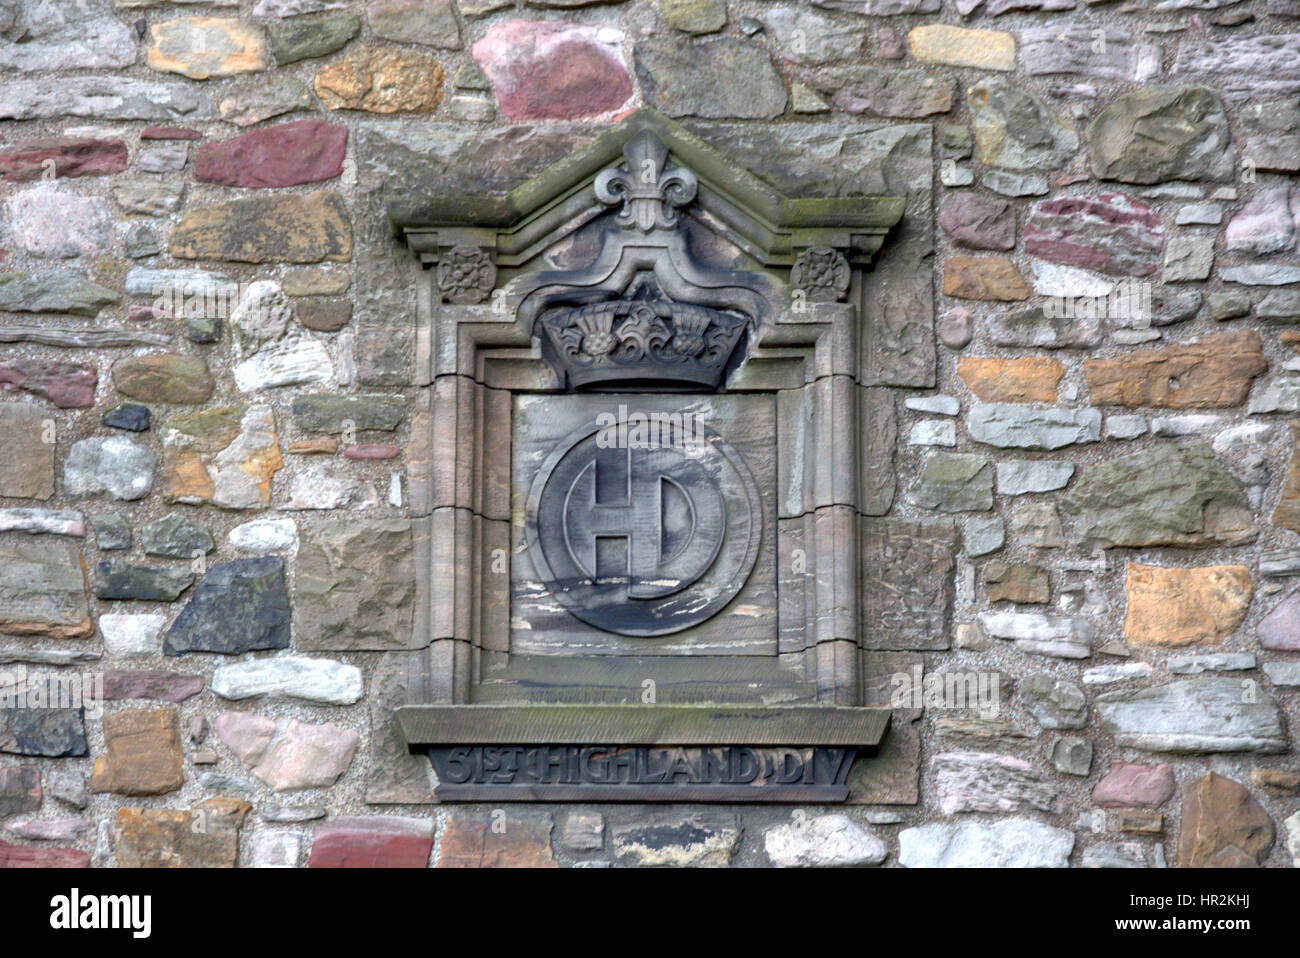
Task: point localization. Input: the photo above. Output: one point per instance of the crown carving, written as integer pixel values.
(648, 341)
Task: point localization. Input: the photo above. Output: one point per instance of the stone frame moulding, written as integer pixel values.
(797, 271)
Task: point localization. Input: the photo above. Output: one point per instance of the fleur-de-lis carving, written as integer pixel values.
(648, 189)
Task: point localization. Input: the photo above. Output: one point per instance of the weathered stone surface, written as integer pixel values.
(1020, 380)
(978, 222)
(1017, 582)
(1248, 69)
(1037, 524)
(428, 22)
(53, 291)
(27, 856)
(953, 482)
(583, 831)
(1264, 225)
(1162, 133)
(203, 47)
(1015, 130)
(27, 467)
(304, 151)
(294, 360)
(960, 47)
(1109, 232)
(149, 195)
(1280, 628)
(324, 315)
(128, 636)
(204, 837)
(65, 828)
(46, 732)
(275, 848)
(892, 93)
(713, 79)
(983, 535)
(20, 790)
(355, 586)
(122, 684)
(260, 536)
(1214, 371)
(550, 70)
(270, 96)
(164, 378)
(291, 228)
(1054, 703)
(43, 588)
(1035, 327)
(119, 579)
(984, 782)
(292, 8)
(1072, 755)
(1287, 513)
(101, 98)
(1188, 259)
(1173, 608)
(129, 416)
(800, 35)
(953, 328)
(474, 840)
(312, 37)
(1065, 48)
(381, 80)
(113, 464)
(143, 753)
(72, 157)
(907, 583)
(226, 456)
(56, 522)
(334, 414)
(240, 606)
(329, 487)
(1171, 494)
(703, 839)
(983, 277)
(47, 222)
(1222, 826)
(175, 537)
(1193, 715)
(1017, 477)
(824, 841)
(1008, 425)
(292, 676)
(1129, 785)
(288, 754)
(372, 842)
(1007, 843)
(69, 35)
(1059, 636)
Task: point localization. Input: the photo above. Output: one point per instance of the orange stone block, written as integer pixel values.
(1028, 379)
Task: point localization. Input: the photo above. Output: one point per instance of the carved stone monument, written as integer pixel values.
(652, 483)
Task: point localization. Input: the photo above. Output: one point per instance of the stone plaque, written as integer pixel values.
(649, 455)
(644, 525)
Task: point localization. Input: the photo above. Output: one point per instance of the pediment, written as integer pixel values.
(771, 227)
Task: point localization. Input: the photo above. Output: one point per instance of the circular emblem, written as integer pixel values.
(640, 536)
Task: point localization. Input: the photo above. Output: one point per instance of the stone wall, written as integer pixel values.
(213, 383)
